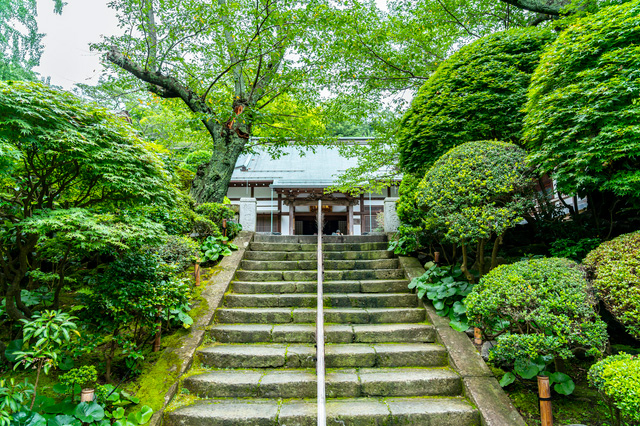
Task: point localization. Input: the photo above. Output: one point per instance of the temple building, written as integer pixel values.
(286, 192)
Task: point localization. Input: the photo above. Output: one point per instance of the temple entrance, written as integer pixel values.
(307, 224)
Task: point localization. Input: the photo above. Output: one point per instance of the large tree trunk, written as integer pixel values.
(212, 180)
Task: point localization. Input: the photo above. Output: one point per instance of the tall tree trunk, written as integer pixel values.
(212, 180)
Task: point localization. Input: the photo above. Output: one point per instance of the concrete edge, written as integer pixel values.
(215, 283)
(496, 409)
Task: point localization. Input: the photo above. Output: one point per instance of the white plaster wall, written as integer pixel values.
(264, 193)
(236, 192)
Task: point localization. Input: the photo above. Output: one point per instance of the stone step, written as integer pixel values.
(312, 255)
(313, 239)
(334, 333)
(331, 300)
(310, 265)
(257, 246)
(366, 286)
(272, 355)
(308, 315)
(375, 274)
(398, 411)
(340, 383)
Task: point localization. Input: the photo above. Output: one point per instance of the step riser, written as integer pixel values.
(311, 255)
(312, 239)
(310, 265)
(355, 300)
(280, 287)
(259, 333)
(376, 274)
(306, 315)
(345, 384)
(335, 357)
(355, 412)
(314, 247)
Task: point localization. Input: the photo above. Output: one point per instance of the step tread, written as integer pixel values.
(435, 411)
(310, 287)
(356, 300)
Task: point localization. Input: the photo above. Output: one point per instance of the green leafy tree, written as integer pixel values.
(582, 112)
(68, 162)
(476, 94)
(617, 378)
(20, 41)
(475, 192)
(227, 71)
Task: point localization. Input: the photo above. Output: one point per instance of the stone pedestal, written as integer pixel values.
(391, 221)
(248, 214)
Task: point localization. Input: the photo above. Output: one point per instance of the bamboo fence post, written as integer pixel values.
(544, 395)
(477, 336)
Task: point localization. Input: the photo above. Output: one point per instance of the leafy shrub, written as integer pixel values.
(233, 229)
(406, 240)
(617, 378)
(176, 221)
(476, 94)
(184, 178)
(196, 158)
(407, 207)
(537, 308)
(614, 268)
(13, 395)
(214, 247)
(179, 251)
(582, 112)
(474, 192)
(571, 249)
(204, 228)
(215, 212)
(447, 289)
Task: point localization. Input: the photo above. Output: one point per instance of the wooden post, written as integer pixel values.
(477, 336)
(292, 219)
(224, 227)
(87, 395)
(196, 272)
(156, 342)
(544, 394)
(436, 258)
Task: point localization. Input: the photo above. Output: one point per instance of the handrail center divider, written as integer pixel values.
(320, 366)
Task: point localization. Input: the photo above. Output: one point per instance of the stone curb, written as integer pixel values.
(215, 283)
(480, 386)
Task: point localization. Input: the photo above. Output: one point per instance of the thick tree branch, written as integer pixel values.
(548, 7)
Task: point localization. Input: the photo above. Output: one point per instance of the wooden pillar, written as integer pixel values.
(350, 219)
(279, 212)
(292, 219)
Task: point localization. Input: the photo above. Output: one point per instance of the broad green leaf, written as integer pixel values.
(507, 379)
(89, 412)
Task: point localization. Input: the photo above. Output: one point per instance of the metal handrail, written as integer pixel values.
(320, 368)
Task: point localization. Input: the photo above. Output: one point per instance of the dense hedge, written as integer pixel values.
(476, 190)
(542, 305)
(476, 94)
(583, 112)
(618, 378)
(615, 269)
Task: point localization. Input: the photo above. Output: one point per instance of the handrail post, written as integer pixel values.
(322, 418)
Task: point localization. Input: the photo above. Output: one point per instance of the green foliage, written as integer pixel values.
(537, 307)
(215, 212)
(214, 247)
(475, 94)
(574, 250)
(196, 158)
(617, 378)
(233, 229)
(405, 241)
(476, 190)
(582, 110)
(528, 369)
(179, 251)
(447, 289)
(13, 395)
(407, 206)
(614, 268)
(84, 376)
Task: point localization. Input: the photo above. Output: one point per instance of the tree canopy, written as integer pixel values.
(582, 112)
(476, 94)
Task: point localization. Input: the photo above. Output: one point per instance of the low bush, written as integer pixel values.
(215, 212)
(617, 378)
(537, 310)
(179, 251)
(614, 268)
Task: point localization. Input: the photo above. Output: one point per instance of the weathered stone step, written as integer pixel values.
(308, 315)
(374, 274)
(313, 239)
(398, 411)
(314, 247)
(331, 300)
(310, 265)
(366, 286)
(340, 383)
(334, 333)
(312, 255)
(273, 355)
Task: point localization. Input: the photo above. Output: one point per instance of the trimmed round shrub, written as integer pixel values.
(583, 112)
(537, 307)
(195, 159)
(614, 268)
(617, 378)
(476, 190)
(179, 251)
(476, 94)
(215, 212)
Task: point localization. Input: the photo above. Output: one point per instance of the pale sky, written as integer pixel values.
(66, 58)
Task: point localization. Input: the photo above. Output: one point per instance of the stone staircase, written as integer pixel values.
(383, 365)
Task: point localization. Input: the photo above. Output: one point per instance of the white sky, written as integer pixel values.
(66, 58)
